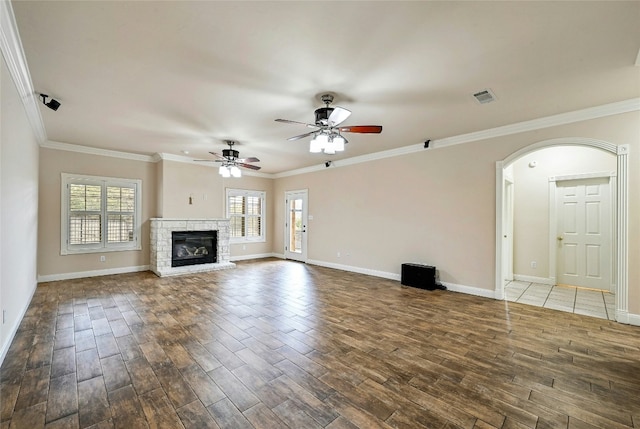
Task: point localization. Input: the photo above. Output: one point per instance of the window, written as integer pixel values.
(100, 214)
(245, 210)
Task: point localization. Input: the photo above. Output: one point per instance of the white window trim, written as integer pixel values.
(249, 193)
(65, 248)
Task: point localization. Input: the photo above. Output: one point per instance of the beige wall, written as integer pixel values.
(52, 164)
(18, 209)
(437, 206)
(207, 189)
(531, 196)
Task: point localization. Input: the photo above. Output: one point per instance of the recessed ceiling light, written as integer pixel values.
(186, 152)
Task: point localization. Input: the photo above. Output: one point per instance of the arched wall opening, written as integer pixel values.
(504, 201)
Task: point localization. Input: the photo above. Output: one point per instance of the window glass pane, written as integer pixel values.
(85, 229)
(253, 205)
(253, 226)
(236, 224)
(119, 228)
(120, 199)
(84, 197)
(236, 205)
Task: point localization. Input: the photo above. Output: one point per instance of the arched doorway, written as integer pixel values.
(503, 180)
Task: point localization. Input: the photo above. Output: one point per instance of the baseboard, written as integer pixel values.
(627, 318)
(255, 256)
(532, 279)
(470, 290)
(95, 273)
(350, 268)
(16, 325)
(633, 319)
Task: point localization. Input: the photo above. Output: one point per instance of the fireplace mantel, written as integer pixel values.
(161, 229)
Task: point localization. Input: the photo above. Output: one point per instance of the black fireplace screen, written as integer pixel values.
(194, 247)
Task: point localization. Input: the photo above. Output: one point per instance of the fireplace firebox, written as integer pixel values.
(193, 247)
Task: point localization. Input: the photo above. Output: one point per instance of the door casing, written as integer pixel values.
(289, 195)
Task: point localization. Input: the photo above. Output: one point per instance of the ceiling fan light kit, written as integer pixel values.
(231, 162)
(229, 171)
(327, 143)
(327, 136)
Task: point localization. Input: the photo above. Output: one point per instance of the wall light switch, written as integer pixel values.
(103, 258)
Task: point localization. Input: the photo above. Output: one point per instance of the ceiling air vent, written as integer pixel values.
(485, 96)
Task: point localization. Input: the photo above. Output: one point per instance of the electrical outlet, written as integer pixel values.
(103, 258)
(534, 264)
(244, 247)
(338, 254)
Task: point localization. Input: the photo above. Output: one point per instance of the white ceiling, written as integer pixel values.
(165, 77)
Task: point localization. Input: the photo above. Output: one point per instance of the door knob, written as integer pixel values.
(559, 238)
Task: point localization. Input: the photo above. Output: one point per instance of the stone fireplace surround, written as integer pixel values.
(161, 248)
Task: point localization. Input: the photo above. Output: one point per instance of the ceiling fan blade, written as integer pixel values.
(368, 129)
(338, 116)
(206, 160)
(301, 136)
(287, 121)
(250, 166)
(250, 159)
(217, 155)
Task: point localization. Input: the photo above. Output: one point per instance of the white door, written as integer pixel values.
(295, 227)
(584, 250)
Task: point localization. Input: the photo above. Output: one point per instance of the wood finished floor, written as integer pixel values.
(278, 344)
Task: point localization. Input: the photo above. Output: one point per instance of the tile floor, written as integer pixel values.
(588, 302)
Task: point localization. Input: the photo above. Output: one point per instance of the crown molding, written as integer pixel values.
(596, 112)
(96, 151)
(610, 109)
(13, 54)
(617, 108)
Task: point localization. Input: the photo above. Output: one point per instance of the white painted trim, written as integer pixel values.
(96, 151)
(354, 160)
(350, 268)
(627, 318)
(255, 256)
(16, 325)
(533, 279)
(94, 273)
(470, 290)
(66, 179)
(616, 108)
(596, 175)
(11, 47)
(620, 107)
(622, 234)
(304, 193)
(500, 222)
(563, 141)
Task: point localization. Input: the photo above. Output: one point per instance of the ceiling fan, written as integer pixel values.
(326, 132)
(230, 161)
